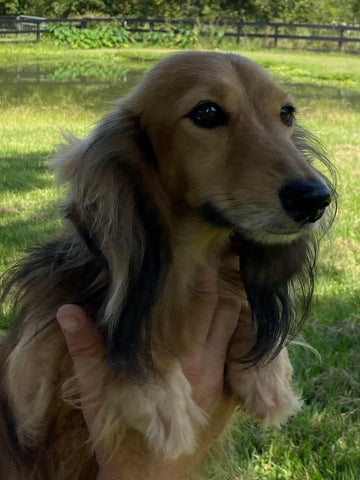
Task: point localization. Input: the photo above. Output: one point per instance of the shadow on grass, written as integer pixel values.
(331, 308)
(322, 440)
(305, 448)
(20, 236)
(25, 172)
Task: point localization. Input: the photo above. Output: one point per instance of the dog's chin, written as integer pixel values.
(262, 234)
(273, 236)
(264, 237)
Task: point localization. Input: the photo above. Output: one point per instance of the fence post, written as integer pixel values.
(341, 36)
(238, 33)
(83, 23)
(38, 32)
(276, 35)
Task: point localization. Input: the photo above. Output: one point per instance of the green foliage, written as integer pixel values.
(180, 36)
(104, 36)
(53, 8)
(308, 11)
(12, 7)
(213, 33)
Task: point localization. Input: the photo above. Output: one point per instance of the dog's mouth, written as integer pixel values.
(254, 228)
(300, 207)
(211, 213)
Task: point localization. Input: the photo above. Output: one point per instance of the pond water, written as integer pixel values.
(90, 84)
(95, 85)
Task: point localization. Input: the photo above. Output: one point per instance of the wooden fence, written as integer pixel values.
(15, 28)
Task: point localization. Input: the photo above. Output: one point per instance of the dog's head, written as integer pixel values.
(211, 134)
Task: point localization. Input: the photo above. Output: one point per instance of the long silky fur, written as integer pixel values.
(82, 265)
(279, 279)
(279, 283)
(124, 318)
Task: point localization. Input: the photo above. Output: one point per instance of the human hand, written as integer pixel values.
(216, 319)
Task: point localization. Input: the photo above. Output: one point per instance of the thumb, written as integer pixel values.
(87, 351)
(82, 339)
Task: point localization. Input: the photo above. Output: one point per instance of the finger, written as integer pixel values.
(206, 275)
(82, 339)
(204, 299)
(223, 326)
(245, 334)
(87, 352)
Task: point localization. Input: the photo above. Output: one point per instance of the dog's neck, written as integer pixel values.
(192, 243)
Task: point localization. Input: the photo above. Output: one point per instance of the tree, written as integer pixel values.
(307, 11)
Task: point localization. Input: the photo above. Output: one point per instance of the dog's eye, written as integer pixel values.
(208, 115)
(287, 115)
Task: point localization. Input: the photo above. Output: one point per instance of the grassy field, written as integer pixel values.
(323, 441)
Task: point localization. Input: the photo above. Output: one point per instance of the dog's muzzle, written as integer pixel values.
(305, 202)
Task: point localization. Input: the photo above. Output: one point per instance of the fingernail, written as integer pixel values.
(69, 324)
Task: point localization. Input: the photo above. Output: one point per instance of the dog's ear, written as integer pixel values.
(119, 209)
(279, 283)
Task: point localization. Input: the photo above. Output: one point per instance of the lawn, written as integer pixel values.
(323, 441)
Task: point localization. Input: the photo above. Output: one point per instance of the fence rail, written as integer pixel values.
(25, 25)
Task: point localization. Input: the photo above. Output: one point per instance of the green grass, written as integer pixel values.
(323, 441)
(330, 68)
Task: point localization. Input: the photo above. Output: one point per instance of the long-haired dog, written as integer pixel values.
(203, 158)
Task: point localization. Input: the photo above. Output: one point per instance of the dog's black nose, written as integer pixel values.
(305, 201)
